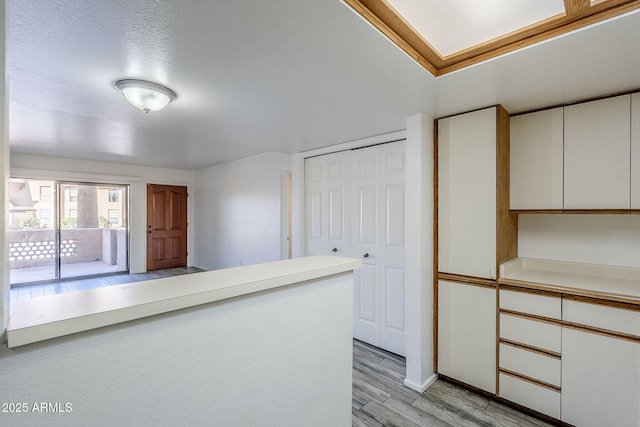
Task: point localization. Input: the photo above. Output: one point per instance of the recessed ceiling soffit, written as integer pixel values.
(404, 23)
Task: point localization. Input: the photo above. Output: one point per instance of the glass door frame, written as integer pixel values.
(57, 220)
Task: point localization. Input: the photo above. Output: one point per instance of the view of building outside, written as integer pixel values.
(93, 229)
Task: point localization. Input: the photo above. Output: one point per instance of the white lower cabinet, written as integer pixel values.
(529, 351)
(600, 373)
(542, 367)
(467, 334)
(531, 332)
(542, 399)
(600, 380)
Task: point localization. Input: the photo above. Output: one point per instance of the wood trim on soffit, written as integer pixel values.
(579, 13)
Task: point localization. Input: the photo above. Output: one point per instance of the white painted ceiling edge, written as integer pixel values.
(284, 76)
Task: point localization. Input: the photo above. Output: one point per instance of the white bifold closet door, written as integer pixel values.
(327, 180)
(355, 207)
(378, 236)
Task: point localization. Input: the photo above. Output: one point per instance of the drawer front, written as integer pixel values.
(524, 302)
(534, 365)
(538, 334)
(525, 393)
(601, 316)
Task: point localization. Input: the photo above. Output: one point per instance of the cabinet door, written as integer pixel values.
(379, 238)
(467, 194)
(467, 334)
(537, 160)
(600, 380)
(327, 180)
(597, 171)
(635, 151)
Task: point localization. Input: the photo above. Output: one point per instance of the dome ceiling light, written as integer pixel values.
(145, 95)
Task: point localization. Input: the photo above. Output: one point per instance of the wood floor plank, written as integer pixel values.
(454, 395)
(360, 419)
(387, 416)
(382, 372)
(459, 416)
(369, 392)
(396, 366)
(415, 415)
(505, 416)
(73, 285)
(393, 388)
(376, 376)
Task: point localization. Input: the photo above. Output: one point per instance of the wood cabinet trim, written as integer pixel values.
(567, 324)
(396, 28)
(530, 316)
(531, 348)
(601, 331)
(577, 211)
(506, 222)
(599, 301)
(467, 280)
(435, 246)
(605, 298)
(530, 380)
(582, 101)
(544, 293)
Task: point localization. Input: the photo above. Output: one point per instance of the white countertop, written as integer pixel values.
(613, 283)
(38, 319)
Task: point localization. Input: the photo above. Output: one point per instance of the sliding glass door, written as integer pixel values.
(66, 229)
(31, 230)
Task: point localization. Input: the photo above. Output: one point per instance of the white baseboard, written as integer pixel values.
(421, 387)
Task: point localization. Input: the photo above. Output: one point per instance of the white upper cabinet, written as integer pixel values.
(597, 172)
(467, 194)
(635, 151)
(537, 160)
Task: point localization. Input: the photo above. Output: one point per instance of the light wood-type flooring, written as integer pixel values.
(379, 398)
(34, 290)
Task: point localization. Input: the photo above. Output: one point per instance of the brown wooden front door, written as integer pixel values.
(166, 226)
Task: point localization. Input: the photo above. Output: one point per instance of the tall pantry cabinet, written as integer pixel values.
(475, 233)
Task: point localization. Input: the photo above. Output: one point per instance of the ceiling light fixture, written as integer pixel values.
(145, 95)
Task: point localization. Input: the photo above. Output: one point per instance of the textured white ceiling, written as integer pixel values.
(282, 75)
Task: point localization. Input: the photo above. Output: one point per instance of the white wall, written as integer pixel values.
(237, 209)
(4, 174)
(419, 297)
(116, 173)
(262, 359)
(598, 239)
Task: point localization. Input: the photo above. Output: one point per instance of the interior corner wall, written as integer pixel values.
(419, 296)
(137, 177)
(237, 208)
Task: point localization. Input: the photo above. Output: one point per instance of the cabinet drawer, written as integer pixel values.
(601, 316)
(525, 393)
(524, 302)
(534, 365)
(535, 333)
